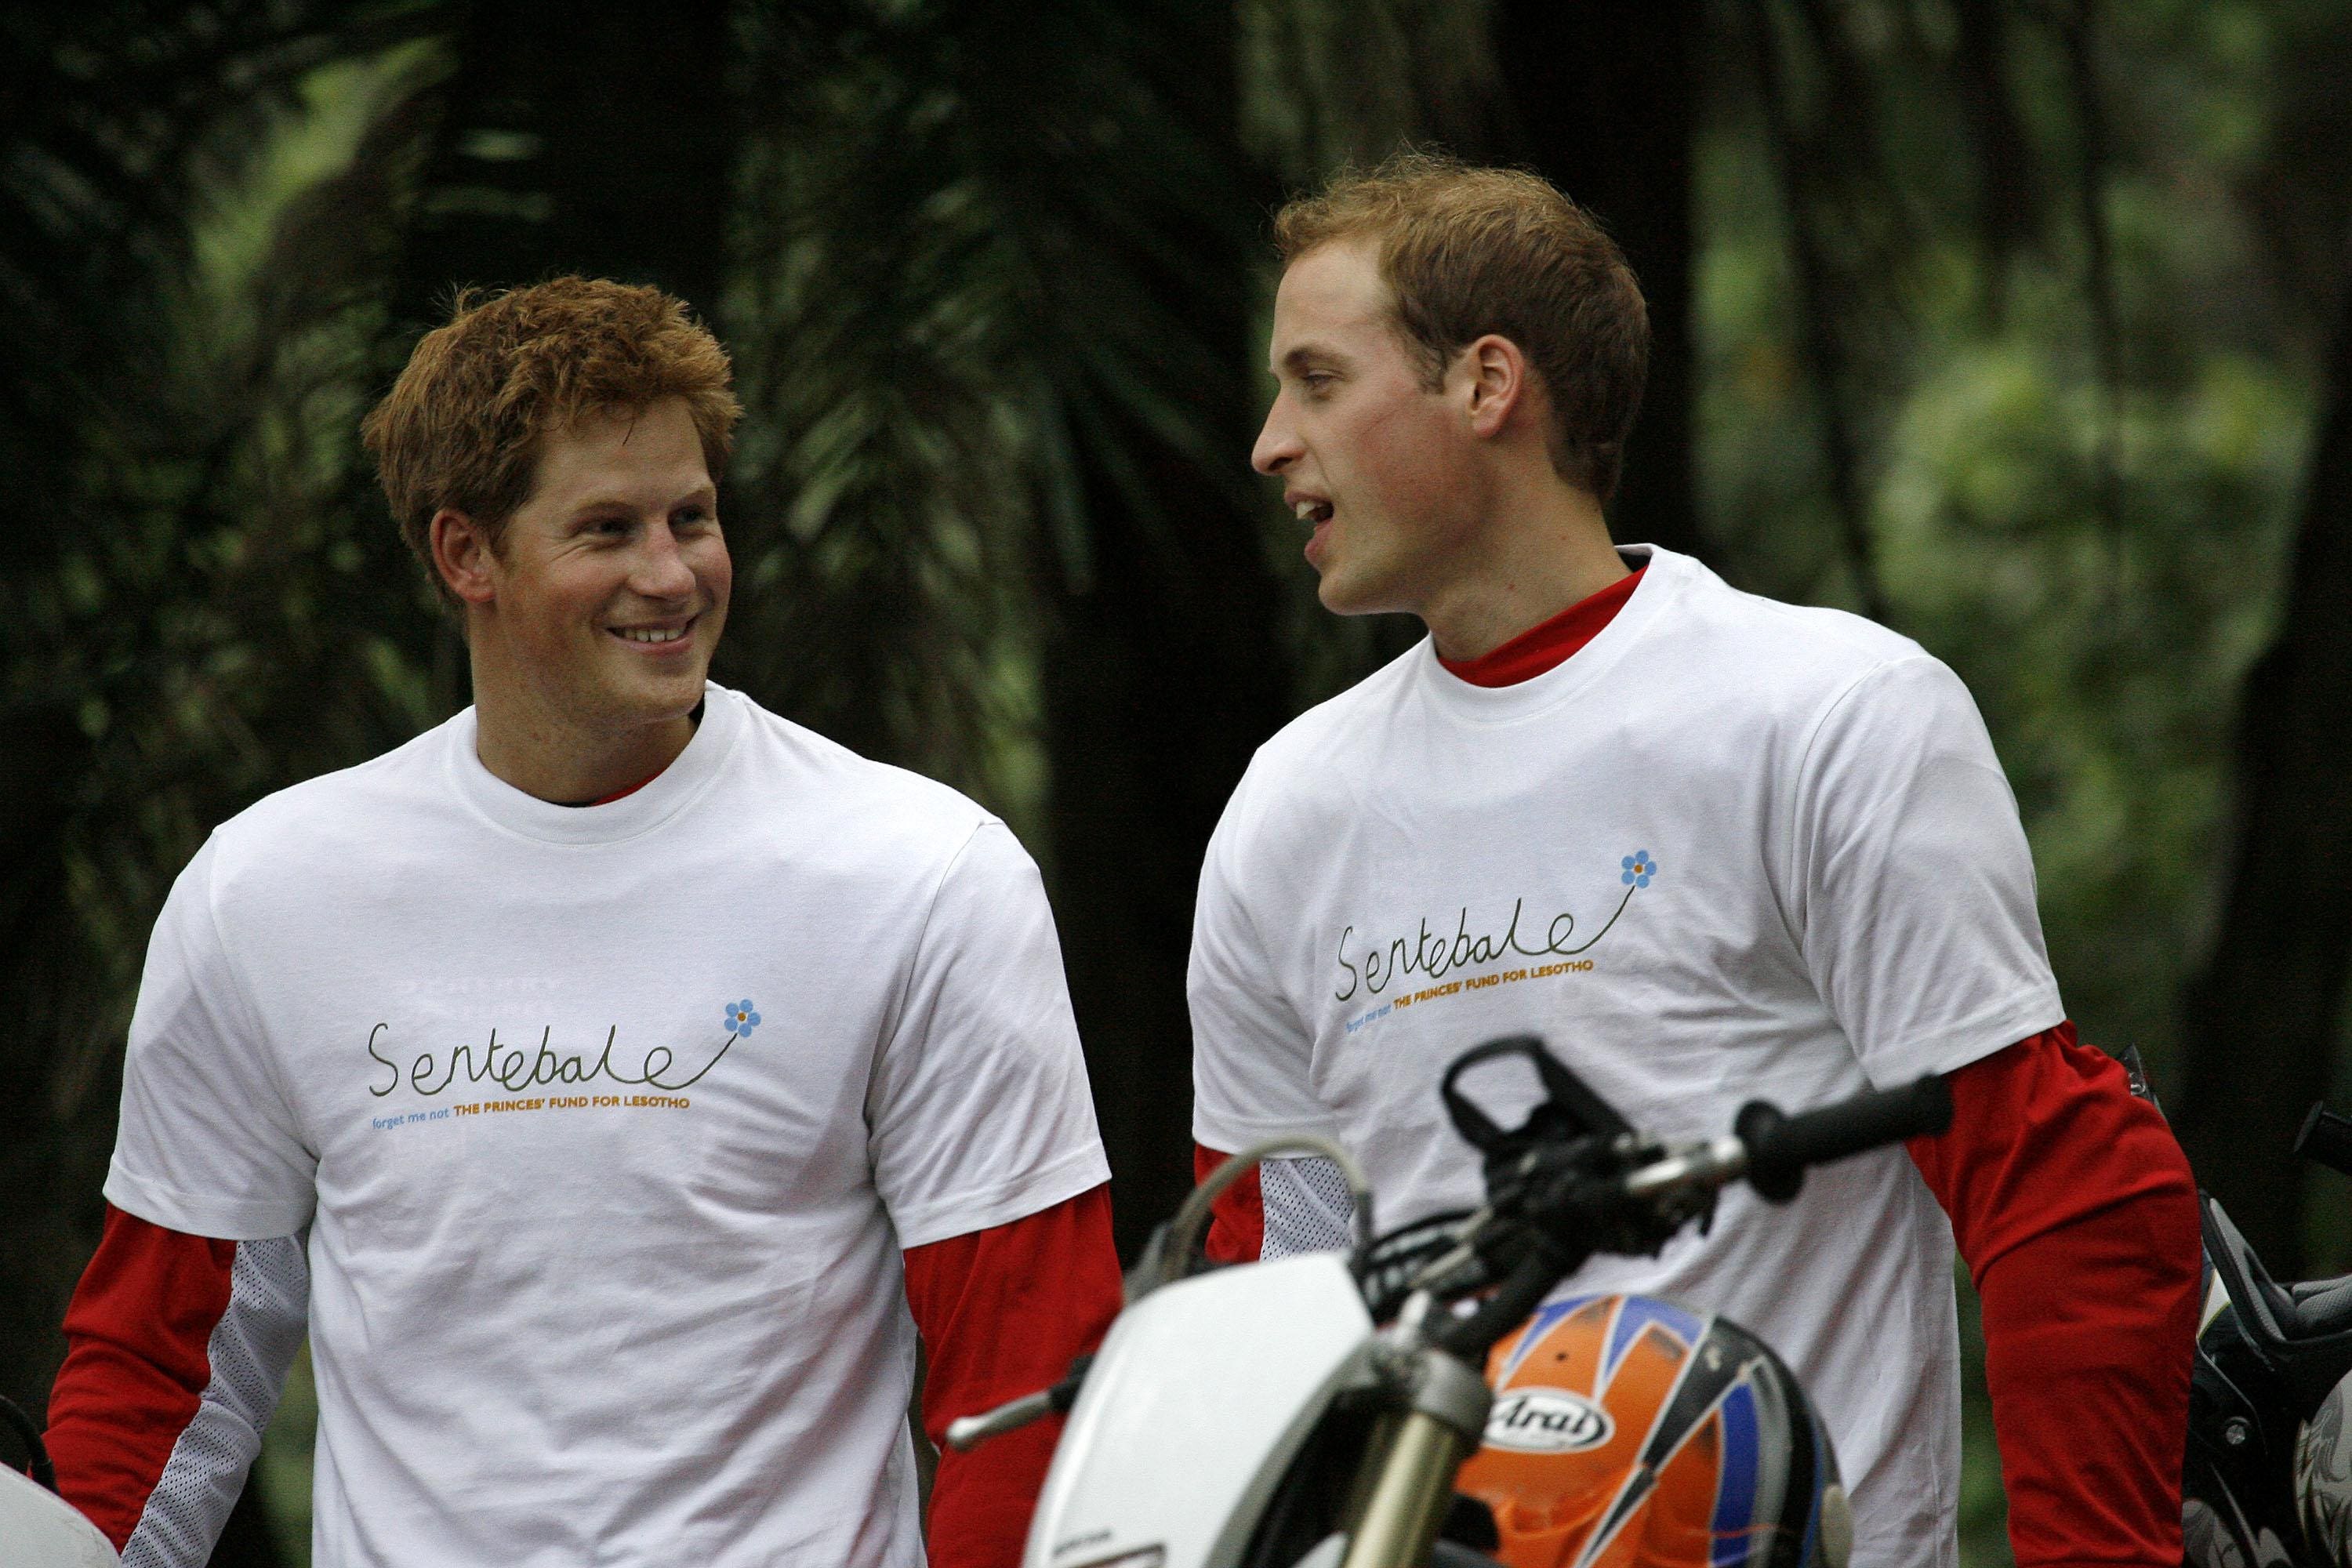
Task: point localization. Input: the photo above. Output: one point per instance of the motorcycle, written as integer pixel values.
(1316, 1411)
(2268, 1477)
(38, 1528)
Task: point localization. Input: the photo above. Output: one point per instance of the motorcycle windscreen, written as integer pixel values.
(1196, 1403)
(39, 1529)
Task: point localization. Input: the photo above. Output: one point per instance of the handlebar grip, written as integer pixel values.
(1780, 1147)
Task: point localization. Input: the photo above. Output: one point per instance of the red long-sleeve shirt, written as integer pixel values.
(152, 1335)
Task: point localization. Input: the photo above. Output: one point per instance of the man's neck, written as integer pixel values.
(1549, 549)
(565, 763)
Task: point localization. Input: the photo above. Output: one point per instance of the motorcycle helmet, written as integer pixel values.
(1628, 1432)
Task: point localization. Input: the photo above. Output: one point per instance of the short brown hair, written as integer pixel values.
(461, 427)
(1467, 252)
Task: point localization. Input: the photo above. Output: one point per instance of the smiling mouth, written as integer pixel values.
(654, 635)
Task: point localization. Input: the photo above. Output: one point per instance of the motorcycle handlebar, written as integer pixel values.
(1770, 1150)
(1780, 1147)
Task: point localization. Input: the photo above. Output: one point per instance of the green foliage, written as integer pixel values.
(2004, 325)
(2100, 562)
(958, 307)
(183, 584)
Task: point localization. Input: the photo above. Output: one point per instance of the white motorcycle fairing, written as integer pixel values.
(39, 1529)
(1194, 1406)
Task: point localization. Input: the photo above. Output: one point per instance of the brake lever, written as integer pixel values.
(1579, 1195)
(966, 1433)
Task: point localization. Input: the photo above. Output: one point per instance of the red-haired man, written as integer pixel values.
(603, 1076)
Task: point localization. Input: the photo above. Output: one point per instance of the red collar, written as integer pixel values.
(618, 793)
(1546, 646)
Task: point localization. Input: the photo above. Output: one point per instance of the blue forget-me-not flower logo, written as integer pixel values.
(1639, 868)
(741, 1017)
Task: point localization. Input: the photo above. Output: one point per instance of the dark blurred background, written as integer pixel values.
(2017, 324)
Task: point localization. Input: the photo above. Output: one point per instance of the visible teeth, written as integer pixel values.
(1307, 510)
(653, 634)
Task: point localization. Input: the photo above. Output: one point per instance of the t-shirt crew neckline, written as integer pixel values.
(1547, 644)
(640, 811)
(1662, 571)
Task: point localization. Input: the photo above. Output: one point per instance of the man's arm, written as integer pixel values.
(986, 1158)
(177, 1348)
(1237, 1217)
(2076, 1213)
(1003, 1312)
(1910, 886)
(1252, 1063)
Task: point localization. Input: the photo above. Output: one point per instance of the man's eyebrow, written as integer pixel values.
(587, 509)
(1306, 355)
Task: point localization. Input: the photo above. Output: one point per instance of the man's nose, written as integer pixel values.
(1276, 447)
(662, 571)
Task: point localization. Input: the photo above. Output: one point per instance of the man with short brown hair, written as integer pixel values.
(1711, 848)
(615, 1079)
(1469, 251)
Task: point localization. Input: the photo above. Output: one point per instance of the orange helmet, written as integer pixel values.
(1628, 1432)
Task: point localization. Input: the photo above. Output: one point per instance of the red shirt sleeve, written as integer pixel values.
(137, 1361)
(1003, 1312)
(2075, 1212)
(1237, 1219)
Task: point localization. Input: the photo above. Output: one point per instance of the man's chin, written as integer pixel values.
(647, 698)
(1343, 594)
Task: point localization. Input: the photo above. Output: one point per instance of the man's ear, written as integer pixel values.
(462, 554)
(1495, 373)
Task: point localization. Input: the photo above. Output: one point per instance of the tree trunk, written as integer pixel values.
(1603, 97)
(2007, 197)
(1163, 668)
(591, 139)
(2262, 1019)
(1161, 680)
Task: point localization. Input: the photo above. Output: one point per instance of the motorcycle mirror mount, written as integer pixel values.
(2326, 1139)
(1569, 1110)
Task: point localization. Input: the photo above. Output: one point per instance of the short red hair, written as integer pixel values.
(461, 427)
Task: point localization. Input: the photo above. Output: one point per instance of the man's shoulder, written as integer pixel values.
(337, 813)
(1318, 740)
(1769, 646)
(1314, 766)
(855, 803)
(840, 779)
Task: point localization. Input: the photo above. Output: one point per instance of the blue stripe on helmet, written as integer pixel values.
(1735, 1495)
(1638, 1313)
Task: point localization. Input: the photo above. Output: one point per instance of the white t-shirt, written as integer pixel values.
(1731, 849)
(608, 1125)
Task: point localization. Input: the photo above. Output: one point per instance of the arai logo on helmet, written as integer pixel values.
(1547, 1421)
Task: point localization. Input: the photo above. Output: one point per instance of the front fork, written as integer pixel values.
(1407, 1480)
